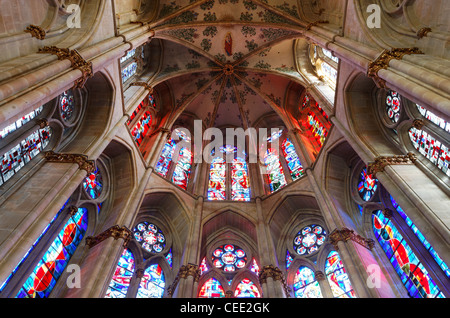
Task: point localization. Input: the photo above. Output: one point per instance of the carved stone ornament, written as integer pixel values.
(346, 234)
(81, 160)
(36, 31)
(42, 122)
(73, 210)
(276, 274)
(76, 60)
(184, 272)
(319, 275)
(309, 26)
(423, 32)
(115, 232)
(387, 213)
(140, 273)
(143, 84)
(382, 62)
(381, 162)
(418, 124)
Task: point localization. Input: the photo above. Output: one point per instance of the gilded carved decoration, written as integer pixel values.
(276, 274)
(42, 122)
(346, 234)
(81, 160)
(73, 210)
(423, 32)
(382, 62)
(115, 232)
(418, 124)
(76, 60)
(382, 161)
(143, 84)
(184, 272)
(36, 31)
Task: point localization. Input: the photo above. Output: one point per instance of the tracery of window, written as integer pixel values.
(431, 148)
(229, 258)
(66, 105)
(46, 273)
(22, 153)
(326, 64)
(247, 289)
(93, 184)
(150, 237)
(203, 266)
(309, 239)
(212, 289)
(305, 284)
(421, 238)
(123, 273)
(393, 106)
(254, 268)
(367, 185)
(20, 122)
(152, 283)
(412, 273)
(337, 277)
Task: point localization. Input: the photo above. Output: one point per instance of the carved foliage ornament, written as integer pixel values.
(276, 274)
(382, 62)
(76, 60)
(346, 234)
(81, 160)
(115, 232)
(36, 31)
(185, 271)
(381, 162)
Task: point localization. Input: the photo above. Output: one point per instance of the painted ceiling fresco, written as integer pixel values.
(229, 60)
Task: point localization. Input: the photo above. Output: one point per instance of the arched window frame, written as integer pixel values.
(132, 62)
(321, 58)
(145, 109)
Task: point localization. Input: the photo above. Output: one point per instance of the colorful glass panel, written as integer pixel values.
(338, 277)
(305, 284)
(152, 283)
(229, 258)
(274, 170)
(433, 149)
(93, 184)
(203, 266)
(393, 106)
(293, 162)
(20, 122)
(182, 170)
(169, 258)
(211, 289)
(309, 239)
(247, 289)
(162, 166)
(142, 127)
(438, 121)
(412, 273)
(150, 237)
(66, 105)
(306, 101)
(329, 72)
(421, 238)
(129, 55)
(129, 71)
(330, 55)
(289, 259)
(315, 126)
(45, 275)
(120, 281)
(254, 268)
(22, 153)
(240, 189)
(367, 185)
(217, 185)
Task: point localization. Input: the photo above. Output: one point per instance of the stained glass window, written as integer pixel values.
(240, 189)
(217, 184)
(412, 273)
(247, 289)
(305, 284)
(120, 281)
(338, 277)
(162, 166)
(393, 106)
(289, 259)
(211, 289)
(254, 268)
(129, 71)
(306, 101)
(430, 147)
(20, 122)
(141, 127)
(329, 72)
(66, 105)
(229, 258)
(293, 162)
(150, 237)
(421, 238)
(136, 111)
(316, 127)
(129, 55)
(309, 239)
(203, 266)
(169, 258)
(438, 121)
(152, 283)
(330, 55)
(93, 184)
(367, 185)
(182, 170)
(22, 153)
(274, 170)
(52, 265)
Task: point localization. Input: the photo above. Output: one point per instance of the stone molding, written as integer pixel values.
(319, 275)
(381, 162)
(315, 23)
(81, 160)
(76, 60)
(346, 234)
(115, 231)
(382, 62)
(36, 31)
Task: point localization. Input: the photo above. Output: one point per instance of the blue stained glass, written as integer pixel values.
(305, 284)
(120, 281)
(274, 169)
(129, 71)
(182, 170)
(169, 257)
(289, 259)
(217, 185)
(152, 283)
(211, 289)
(240, 189)
(247, 289)
(421, 237)
(338, 277)
(162, 167)
(293, 162)
(93, 184)
(367, 185)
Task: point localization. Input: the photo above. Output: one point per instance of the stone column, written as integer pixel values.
(324, 285)
(273, 282)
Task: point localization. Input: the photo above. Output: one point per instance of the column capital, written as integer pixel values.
(382, 161)
(81, 160)
(276, 274)
(345, 234)
(115, 231)
(319, 275)
(36, 31)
